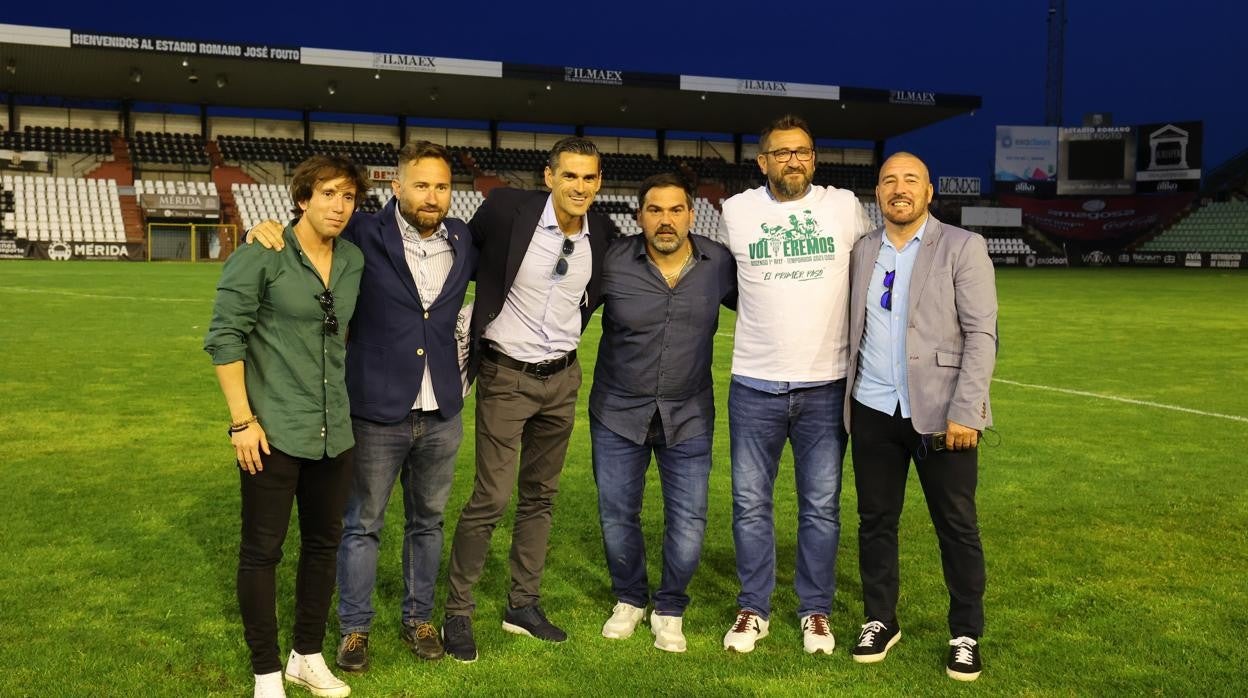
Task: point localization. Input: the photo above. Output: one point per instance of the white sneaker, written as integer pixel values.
(269, 686)
(747, 629)
(816, 635)
(668, 633)
(623, 621)
(309, 671)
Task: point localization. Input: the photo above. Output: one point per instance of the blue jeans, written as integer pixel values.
(420, 452)
(620, 473)
(760, 422)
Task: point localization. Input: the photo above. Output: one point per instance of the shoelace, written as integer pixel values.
(424, 631)
(963, 654)
(743, 622)
(869, 631)
(818, 624)
(355, 641)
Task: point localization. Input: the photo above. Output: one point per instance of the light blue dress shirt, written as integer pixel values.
(883, 377)
(541, 317)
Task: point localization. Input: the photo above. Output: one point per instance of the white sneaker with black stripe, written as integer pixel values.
(817, 637)
(747, 629)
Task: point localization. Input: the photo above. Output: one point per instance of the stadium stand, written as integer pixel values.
(157, 186)
(55, 139)
(154, 147)
(1219, 226)
(65, 209)
(291, 151)
(1008, 245)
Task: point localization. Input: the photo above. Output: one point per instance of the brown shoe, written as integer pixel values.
(423, 639)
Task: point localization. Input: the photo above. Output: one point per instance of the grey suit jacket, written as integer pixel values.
(951, 343)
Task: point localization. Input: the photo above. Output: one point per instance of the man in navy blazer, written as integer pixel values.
(539, 277)
(922, 345)
(407, 394)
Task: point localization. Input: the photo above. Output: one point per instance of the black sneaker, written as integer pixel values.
(353, 652)
(422, 639)
(529, 620)
(457, 637)
(964, 664)
(874, 641)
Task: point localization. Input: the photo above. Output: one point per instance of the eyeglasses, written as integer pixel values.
(330, 324)
(561, 266)
(886, 300)
(784, 154)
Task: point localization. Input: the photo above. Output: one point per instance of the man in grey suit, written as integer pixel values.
(923, 314)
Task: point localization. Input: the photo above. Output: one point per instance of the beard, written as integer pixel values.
(790, 187)
(423, 220)
(903, 217)
(667, 244)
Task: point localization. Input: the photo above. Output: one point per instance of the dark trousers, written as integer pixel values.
(517, 414)
(883, 447)
(321, 488)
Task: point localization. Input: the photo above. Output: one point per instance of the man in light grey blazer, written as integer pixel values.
(922, 345)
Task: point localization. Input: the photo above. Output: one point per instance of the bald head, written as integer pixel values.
(904, 190)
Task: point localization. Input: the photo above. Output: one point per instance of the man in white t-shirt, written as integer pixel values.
(791, 240)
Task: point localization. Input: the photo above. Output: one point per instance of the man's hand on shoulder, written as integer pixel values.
(268, 234)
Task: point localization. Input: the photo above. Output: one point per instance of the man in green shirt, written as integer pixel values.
(278, 340)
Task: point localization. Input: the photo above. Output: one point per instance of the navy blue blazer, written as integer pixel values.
(503, 227)
(392, 334)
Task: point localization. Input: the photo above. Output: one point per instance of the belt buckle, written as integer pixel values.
(544, 369)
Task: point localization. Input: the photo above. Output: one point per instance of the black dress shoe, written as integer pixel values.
(423, 639)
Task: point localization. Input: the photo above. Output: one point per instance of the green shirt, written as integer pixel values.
(267, 315)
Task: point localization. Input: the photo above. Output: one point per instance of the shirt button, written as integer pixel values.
(426, 315)
(420, 352)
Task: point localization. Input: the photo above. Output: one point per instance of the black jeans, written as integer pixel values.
(883, 447)
(321, 486)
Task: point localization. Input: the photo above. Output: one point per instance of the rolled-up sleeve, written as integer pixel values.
(237, 304)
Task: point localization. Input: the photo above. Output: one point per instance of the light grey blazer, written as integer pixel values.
(951, 343)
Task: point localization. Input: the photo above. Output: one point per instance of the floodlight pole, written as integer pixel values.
(1053, 74)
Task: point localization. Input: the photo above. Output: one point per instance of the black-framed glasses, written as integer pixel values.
(785, 154)
(330, 324)
(886, 300)
(561, 266)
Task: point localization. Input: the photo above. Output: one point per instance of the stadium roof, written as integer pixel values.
(84, 65)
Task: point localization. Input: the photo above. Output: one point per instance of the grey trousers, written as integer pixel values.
(516, 413)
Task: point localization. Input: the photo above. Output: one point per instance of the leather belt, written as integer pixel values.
(541, 369)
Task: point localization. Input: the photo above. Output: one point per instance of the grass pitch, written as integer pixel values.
(1114, 530)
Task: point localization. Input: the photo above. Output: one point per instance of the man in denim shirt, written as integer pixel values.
(652, 393)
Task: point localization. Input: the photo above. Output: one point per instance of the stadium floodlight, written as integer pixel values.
(623, 105)
(186, 62)
(222, 80)
(548, 87)
(433, 94)
(377, 75)
(11, 67)
(193, 77)
(332, 88)
(136, 75)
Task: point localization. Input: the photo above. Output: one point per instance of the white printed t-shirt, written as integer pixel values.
(793, 282)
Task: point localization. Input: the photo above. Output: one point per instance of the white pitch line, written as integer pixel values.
(76, 294)
(1115, 398)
